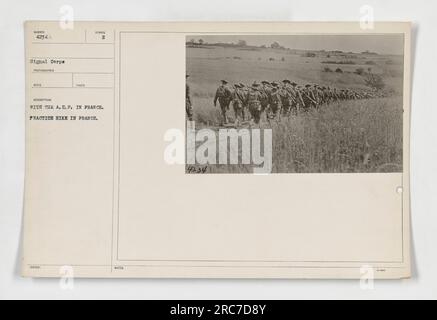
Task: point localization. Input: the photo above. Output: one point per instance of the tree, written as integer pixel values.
(275, 45)
(242, 43)
(200, 41)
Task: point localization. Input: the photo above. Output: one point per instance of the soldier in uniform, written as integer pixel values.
(224, 97)
(335, 96)
(188, 104)
(237, 103)
(243, 90)
(308, 98)
(286, 97)
(344, 94)
(265, 95)
(253, 101)
(275, 102)
(297, 101)
(319, 95)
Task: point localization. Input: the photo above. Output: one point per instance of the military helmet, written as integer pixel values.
(294, 84)
(224, 81)
(265, 82)
(242, 85)
(255, 84)
(286, 81)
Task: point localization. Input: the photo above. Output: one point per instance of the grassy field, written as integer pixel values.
(351, 136)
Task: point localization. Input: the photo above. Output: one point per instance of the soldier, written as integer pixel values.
(265, 95)
(308, 98)
(343, 95)
(330, 97)
(335, 96)
(224, 97)
(253, 101)
(314, 96)
(243, 90)
(323, 94)
(286, 97)
(237, 103)
(275, 102)
(296, 98)
(300, 101)
(320, 95)
(188, 104)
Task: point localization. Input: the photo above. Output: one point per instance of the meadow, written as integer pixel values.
(349, 136)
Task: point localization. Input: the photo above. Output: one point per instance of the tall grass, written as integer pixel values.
(351, 136)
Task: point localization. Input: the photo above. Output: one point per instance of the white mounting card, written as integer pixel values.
(217, 150)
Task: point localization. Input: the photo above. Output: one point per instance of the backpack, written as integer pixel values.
(223, 92)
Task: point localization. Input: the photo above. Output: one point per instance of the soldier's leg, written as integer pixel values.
(251, 112)
(241, 112)
(237, 110)
(276, 114)
(224, 114)
(227, 111)
(235, 107)
(285, 108)
(295, 109)
(264, 111)
(257, 116)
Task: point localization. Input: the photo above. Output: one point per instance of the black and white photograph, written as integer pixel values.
(330, 103)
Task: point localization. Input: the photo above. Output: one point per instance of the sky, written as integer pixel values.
(381, 43)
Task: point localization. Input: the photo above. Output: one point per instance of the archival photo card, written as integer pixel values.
(217, 150)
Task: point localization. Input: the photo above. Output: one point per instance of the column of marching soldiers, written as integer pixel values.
(276, 100)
